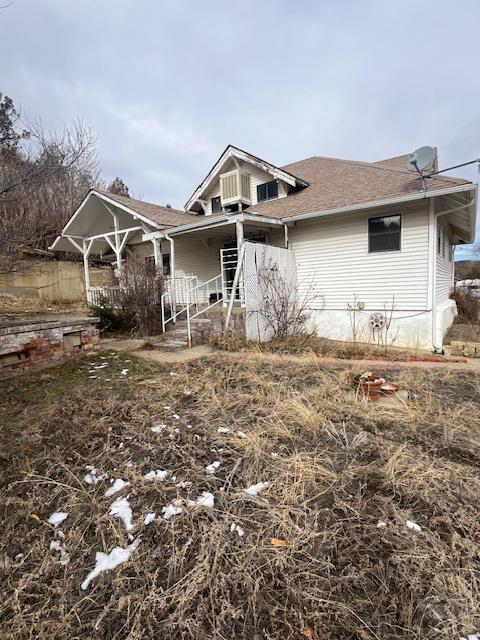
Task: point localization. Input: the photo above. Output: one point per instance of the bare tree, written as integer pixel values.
(43, 177)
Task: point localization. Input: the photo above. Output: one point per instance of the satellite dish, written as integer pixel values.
(420, 159)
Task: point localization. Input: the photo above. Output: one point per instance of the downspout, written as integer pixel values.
(172, 277)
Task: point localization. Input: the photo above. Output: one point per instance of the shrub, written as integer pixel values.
(468, 305)
(137, 305)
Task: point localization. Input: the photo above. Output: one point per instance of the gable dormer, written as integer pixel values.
(239, 180)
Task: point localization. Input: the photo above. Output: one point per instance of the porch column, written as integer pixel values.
(239, 231)
(285, 234)
(157, 254)
(86, 252)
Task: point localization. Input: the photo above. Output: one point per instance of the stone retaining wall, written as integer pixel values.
(26, 344)
(460, 348)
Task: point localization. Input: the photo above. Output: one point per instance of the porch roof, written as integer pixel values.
(208, 223)
(94, 220)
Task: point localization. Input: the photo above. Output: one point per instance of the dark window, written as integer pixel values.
(267, 190)
(216, 205)
(384, 234)
(166, 264)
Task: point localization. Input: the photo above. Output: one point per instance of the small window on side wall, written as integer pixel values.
(267, 190)
(216, 205)
(384, 233)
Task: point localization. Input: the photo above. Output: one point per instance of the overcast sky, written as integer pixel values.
(167, 85)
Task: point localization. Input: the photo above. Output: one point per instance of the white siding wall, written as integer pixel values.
(333, 254)
(444, 279)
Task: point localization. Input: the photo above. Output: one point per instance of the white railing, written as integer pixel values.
(97, 296)
(229, 262)
(209, 291)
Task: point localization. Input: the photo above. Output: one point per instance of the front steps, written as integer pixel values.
(176, 336)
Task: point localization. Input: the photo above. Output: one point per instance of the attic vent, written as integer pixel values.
(377, 321)
(235, 187)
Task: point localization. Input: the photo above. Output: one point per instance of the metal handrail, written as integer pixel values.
(192, 300)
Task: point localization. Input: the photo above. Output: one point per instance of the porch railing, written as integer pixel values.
(229, 262)
(97, 296)
(199, 298)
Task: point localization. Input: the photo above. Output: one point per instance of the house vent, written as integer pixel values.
(377, 321)
(234, 187)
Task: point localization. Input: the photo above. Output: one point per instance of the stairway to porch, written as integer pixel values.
(175, 337)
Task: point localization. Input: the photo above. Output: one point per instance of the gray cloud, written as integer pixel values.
(167, 85)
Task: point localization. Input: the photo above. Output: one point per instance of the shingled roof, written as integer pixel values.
(163, 216)
(335, 183)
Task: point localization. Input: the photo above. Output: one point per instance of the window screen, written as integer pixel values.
(384, 233)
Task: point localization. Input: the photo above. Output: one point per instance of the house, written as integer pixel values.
(370, 237)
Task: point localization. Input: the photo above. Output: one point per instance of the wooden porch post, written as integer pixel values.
(86, 251)
(157, 254)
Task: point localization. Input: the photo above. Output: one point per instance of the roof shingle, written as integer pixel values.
(163, 216)
(335, 183)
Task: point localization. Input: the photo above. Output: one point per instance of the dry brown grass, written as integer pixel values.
(335, 468)
(22, 307)
(308, 344)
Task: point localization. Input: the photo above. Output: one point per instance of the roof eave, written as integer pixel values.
(377, 203)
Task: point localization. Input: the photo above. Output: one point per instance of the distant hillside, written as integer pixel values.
(467, 269)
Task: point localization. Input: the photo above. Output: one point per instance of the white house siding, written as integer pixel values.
(332, 256)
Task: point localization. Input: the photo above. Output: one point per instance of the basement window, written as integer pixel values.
(12, 359)
(384, 233)
(267, 190)
(72, 341)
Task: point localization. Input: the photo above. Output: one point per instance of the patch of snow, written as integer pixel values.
(255, 489)
(64, 557)
(124, 372)
(223, 430)
(236, 528)
(167, 407)
(241, 434)
(175, 416)
(173, 509)
(211, 468)
(108, 561)
(172, 373)
(121, 509)
(20, 558)
(158, 474)
(92, 376)
(129, 463)
(196, 437)
(150, 517)
(117, 486)
(92, 476)
(189, 426)
(184, 484)
(274, 455)
(57, 518)
(121, 445)
(206, 499)
(158, 427)
(410, 524)
(381, 524)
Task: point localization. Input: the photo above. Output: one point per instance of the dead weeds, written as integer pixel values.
(335, 470)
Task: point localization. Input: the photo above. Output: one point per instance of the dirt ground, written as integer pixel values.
(284, 508)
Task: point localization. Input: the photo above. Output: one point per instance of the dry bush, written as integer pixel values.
(335, 469)
(137, 306)
(468, 305)
(281, 307)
